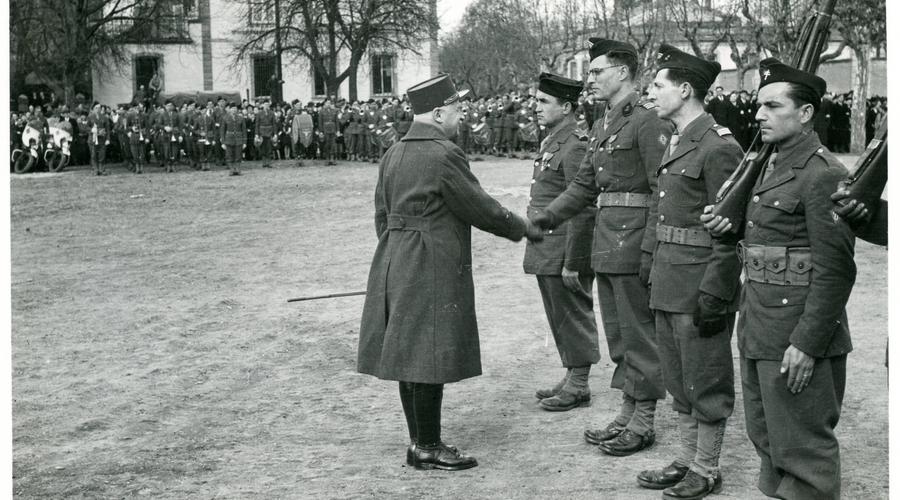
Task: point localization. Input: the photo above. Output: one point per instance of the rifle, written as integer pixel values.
(732, 197)
(868, 176)
(329, 296)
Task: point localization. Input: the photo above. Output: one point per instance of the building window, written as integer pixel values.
(319, 81)
(382, 74)
(263, 71)
(573, 70)
(144, 68)
(262, 12)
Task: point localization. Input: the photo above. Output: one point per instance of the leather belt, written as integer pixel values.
(407, 223)
(623, 200)
(683, 236)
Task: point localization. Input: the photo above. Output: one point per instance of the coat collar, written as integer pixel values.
(559, 136)
(790, 156)
(619, 116)
(419, 131)
(689, 138)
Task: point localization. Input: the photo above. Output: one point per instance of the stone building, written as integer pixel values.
(192, 49)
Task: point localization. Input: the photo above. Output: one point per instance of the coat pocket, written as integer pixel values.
(799, 264)
(623, 218)
(779, 218)
(782, 296)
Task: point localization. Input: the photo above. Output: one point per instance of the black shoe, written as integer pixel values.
(627, 443)
(693, 487)
(441, 457)
(411, 450)
(235, 172)
(599, 436)
(565, 401)
(661, 479)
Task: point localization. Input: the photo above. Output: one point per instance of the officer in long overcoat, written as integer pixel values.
(418, 324)
(233, 138)
(265, 129)
(792, 328)
(562, 261)
(619, 172)
(695, 279)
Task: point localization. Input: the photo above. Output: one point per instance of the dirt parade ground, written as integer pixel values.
(154, 354)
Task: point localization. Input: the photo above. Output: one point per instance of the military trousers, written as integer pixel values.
(136, 153)
(329, 147)
(98, 154)
(571, 318)
(265, 150)
(233, 155)
(794, 433)
(629, 327)
(698, 371)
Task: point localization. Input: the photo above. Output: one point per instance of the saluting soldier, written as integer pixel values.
(418, 323)
(232, 137)
(100, 130)
(562, 261)
(265, 128)
(792, 328)
(619, 172)
(694, 279)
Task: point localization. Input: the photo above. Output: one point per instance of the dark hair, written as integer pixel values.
(679, 76)
(625, 59)
(562, 102)
(802, 94)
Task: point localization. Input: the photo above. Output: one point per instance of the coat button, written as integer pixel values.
(756, 199)
(755, 262)
(749, 223)
(665, 171)
(599, 169)
(662, 194)
(662, 217)
(775, 265)
(784, 301)
(820, 150)
(682, 170)
(624, 226)
(533, 181)
(550, 231)
(800, 266)
(776, 203)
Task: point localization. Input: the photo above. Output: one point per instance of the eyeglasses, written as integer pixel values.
(599, 71)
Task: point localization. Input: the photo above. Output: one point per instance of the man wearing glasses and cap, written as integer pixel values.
(562, 261)
(792, 328)
(619, 172)
(418, 323)
(695, 279)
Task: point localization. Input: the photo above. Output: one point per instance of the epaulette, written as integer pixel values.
(722, 131)
(649, 105)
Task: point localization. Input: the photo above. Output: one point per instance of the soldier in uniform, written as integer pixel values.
(168, 128)
(422, 331)
(619, 172)
(694, 279)
(792, 328)
(189, 133)
(328, 125)
(265, 129)
(562, 261)
(232, 137)
(370, 124)
(137, 136)
(98, 138)
(205, 131)
(219, 114)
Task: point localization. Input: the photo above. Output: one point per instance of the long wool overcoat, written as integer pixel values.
(418, 323)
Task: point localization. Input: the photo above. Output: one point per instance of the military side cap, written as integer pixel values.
(772, 70)
(671, 58)
(559, 86)
(433, 93)
(603, 46)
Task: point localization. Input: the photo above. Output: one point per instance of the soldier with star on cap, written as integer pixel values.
(792, 329)
(418, 324)
(619, 173)
(562, 261)
(694, 279)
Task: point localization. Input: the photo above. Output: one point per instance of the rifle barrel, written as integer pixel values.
(329, 296)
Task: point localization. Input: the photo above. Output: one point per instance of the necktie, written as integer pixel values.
(606, 119)
(770, 167)
(544, 143)
(673, 144)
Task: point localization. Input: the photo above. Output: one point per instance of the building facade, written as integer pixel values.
(193, 51)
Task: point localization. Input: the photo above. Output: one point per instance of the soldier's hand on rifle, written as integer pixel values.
(646, 265)
(570, 281)
(716, 224)
(849, 209)
(533, 232)
(711, 315)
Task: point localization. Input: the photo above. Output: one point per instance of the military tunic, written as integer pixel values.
(570, 314)
(232, 135)
(265, 128)
(619, 171)
(698, 371)
(418, 322)
(798, 259)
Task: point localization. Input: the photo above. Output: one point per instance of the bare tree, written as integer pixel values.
(334, 36)
(64, 39)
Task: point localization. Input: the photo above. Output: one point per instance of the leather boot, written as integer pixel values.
(694, 487)
(549, 393)
(660, 479)
(441, 457)
(597, 436)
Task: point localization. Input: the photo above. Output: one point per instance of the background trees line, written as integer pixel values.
(499, 44)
